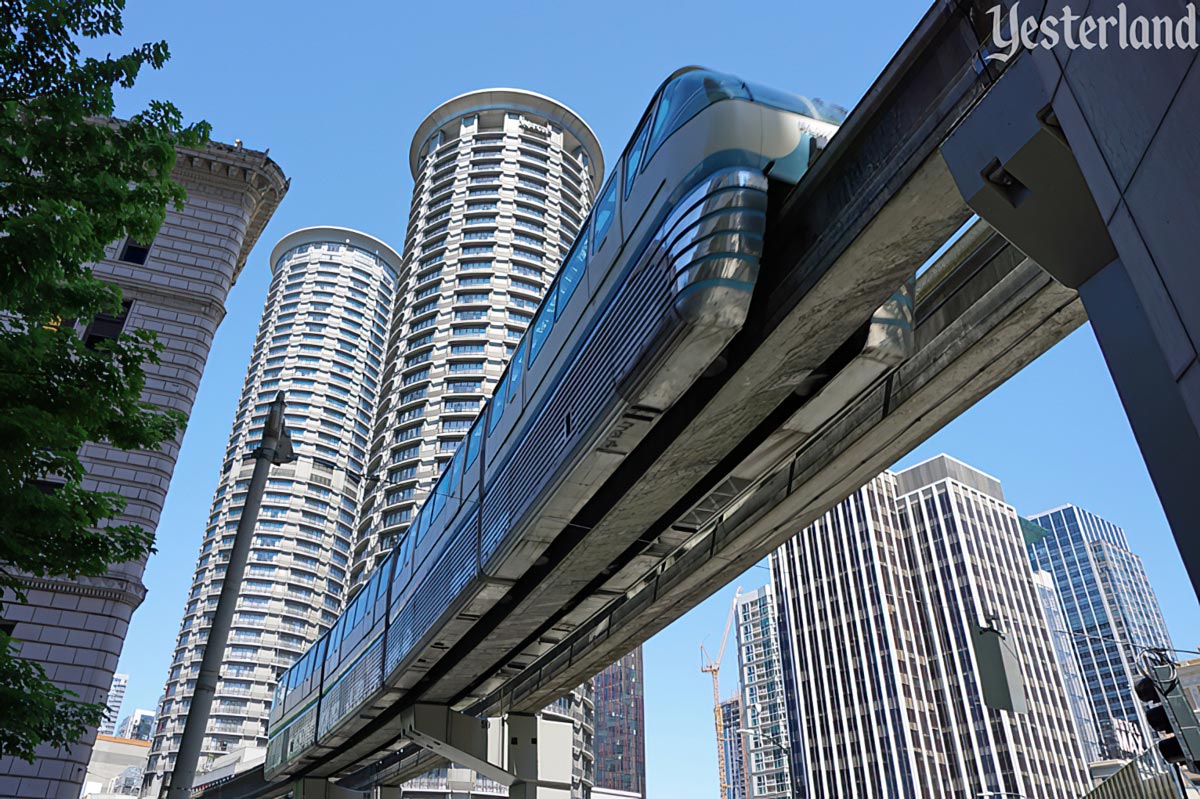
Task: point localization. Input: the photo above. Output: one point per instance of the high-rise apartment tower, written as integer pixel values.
(733, 744)
(321, 340)
(764, 728)
(112, 704)
(503, 180)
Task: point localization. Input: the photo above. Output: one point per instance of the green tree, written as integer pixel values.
(72, 180)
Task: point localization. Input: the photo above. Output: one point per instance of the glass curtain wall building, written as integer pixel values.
(877, 600)
(621, 725)
(503, 179)
(321, 340)
(1068, 664)
(1111, 613)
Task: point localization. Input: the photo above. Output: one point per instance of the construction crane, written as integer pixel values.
(710, 666)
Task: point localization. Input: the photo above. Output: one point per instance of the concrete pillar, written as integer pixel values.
(1086, 160)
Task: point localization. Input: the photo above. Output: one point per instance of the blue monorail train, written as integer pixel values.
(656, 284)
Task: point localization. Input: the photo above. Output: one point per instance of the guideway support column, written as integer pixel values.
(1086, 161)
(531, 755)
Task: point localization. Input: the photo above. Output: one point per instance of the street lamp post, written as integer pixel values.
(275, 449)
(782, 747)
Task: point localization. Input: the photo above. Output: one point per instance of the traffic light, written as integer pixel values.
(1168, 711)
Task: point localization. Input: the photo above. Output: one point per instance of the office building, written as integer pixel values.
(620, 743)
(503, 180)
(137, 726)
(862, 709)
(764, 725)
(878, 602)
(113, 702)
(1111, 613)
(321, 341)
(1068, 663)
(733, 747)
(174, 285)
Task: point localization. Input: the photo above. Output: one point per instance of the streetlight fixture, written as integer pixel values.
(274, 450)
(782, 747)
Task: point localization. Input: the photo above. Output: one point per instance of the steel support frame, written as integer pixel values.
(528, 753)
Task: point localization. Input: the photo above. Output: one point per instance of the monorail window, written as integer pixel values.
(606, 211)
(634, 159)
(496, 407)
(543, 323)
(422, 528)
(438, 499)
(516, 366)
(455, 476)
(473, 440)
(688, 95)
(376, 582)
(572, 270)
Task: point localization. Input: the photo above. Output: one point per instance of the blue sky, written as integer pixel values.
(336, 91)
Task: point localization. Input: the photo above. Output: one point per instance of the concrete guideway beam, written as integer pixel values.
(876, 204)
(984, 311)
(1011, 312)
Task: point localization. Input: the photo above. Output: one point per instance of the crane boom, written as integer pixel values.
(713, 667)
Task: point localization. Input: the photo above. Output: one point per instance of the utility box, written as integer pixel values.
(999, 670)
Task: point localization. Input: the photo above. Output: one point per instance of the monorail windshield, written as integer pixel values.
(690, 92)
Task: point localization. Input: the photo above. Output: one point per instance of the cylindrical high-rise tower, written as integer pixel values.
(504, 179)
(321, 340)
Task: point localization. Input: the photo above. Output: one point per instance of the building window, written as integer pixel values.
(106, 326)
(134, 252)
